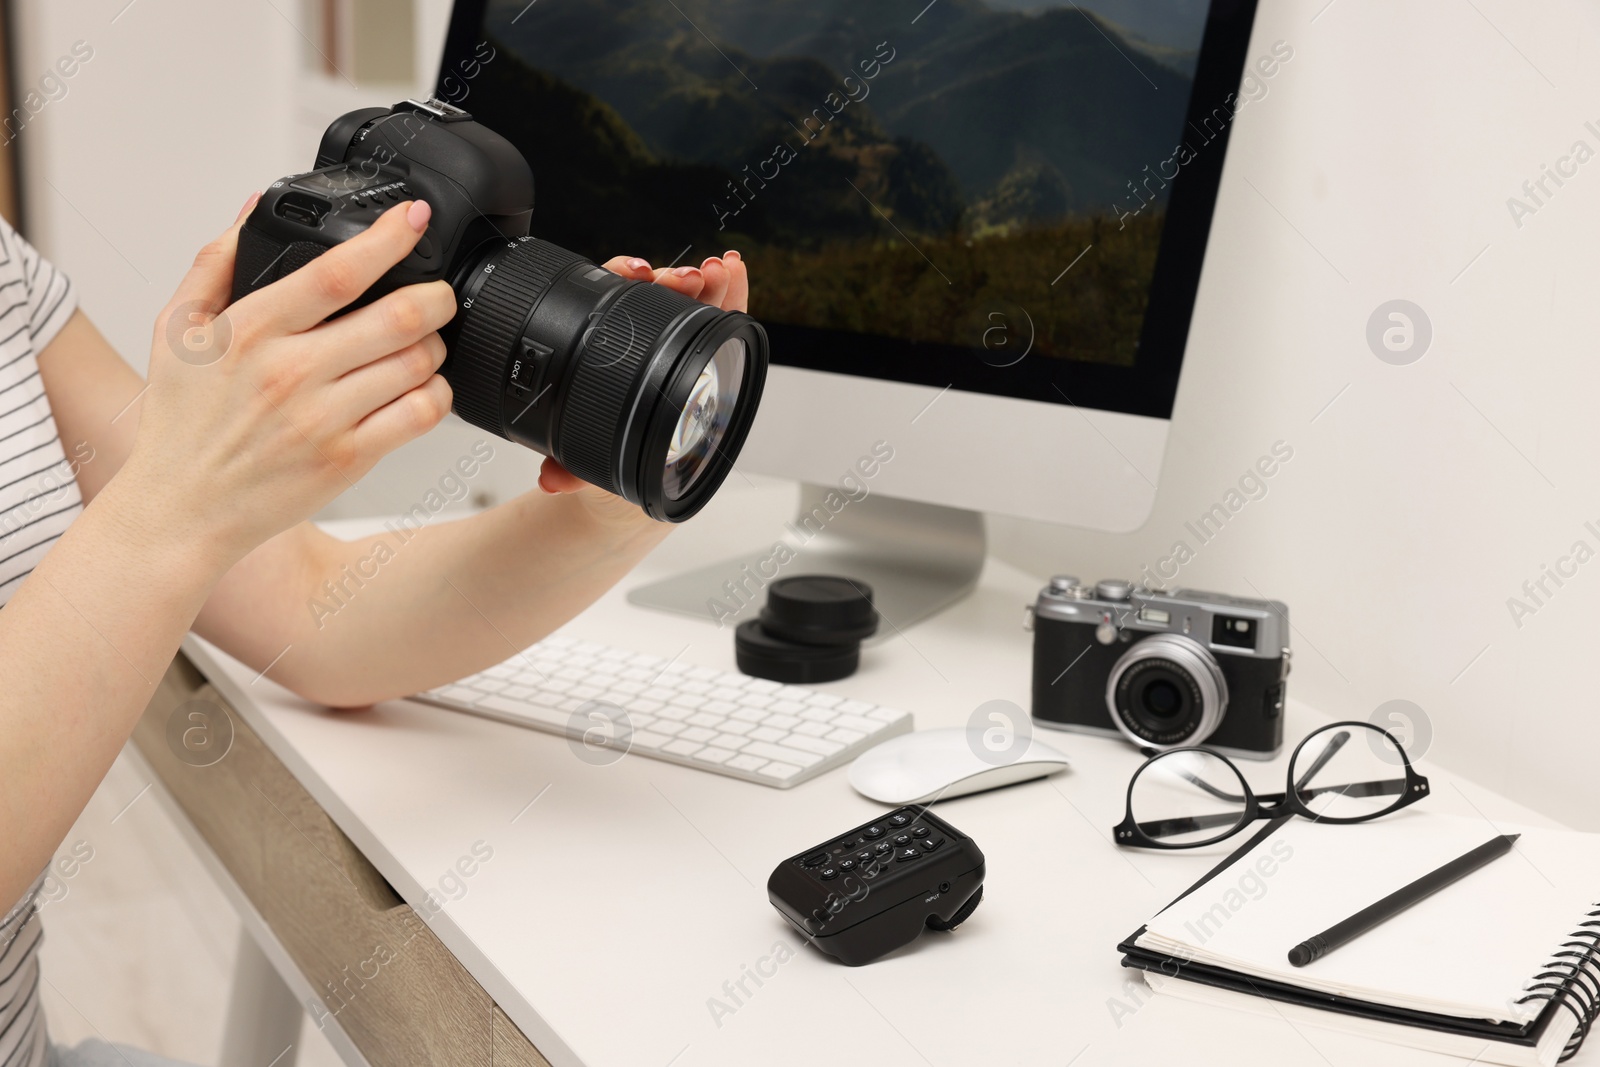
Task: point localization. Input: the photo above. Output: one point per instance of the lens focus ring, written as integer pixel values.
(1188, 660)
(489, 329)
(614, 350)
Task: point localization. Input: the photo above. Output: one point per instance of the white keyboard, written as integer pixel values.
(729, 723)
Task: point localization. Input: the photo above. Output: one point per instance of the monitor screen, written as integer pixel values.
(1004, 196)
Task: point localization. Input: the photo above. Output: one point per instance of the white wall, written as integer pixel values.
(1423, 497)
(1380, 160)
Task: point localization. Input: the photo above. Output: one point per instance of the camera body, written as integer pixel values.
(478, 184)
(632, 387)
(1162, 669)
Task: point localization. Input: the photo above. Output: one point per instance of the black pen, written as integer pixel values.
(1399, 900)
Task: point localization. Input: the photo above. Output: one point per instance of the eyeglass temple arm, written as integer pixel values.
(1164, 827)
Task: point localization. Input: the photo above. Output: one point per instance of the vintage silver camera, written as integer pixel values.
(1164, 669)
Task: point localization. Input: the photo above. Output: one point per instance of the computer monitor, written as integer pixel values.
(975, 230)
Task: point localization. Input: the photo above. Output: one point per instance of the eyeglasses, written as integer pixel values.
(1346, 772)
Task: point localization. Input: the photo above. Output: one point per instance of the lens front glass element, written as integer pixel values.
(1349, 772)
(704, 421)
(1187, 797)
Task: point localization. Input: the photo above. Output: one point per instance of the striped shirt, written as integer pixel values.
(38, 499)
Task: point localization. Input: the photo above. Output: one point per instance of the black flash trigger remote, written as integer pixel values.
(868, 892)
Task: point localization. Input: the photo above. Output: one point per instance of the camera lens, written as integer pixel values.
(1161, 699)
(632, 387)
(1167, 691)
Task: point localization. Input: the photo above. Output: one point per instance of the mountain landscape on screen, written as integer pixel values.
(888, 170)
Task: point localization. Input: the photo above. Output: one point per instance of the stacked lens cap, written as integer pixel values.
(810, 630)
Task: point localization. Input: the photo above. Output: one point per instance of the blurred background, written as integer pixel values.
(1380, 164)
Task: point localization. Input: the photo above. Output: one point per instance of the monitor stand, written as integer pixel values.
(918, 558)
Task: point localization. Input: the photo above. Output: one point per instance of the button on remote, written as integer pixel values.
(829, 873)
(931, 843)
(847, 865)
(920, 831)
(906, 855)
(816, 860)
(883, 848)
(902, 840)
(874, 832)
(899, 818)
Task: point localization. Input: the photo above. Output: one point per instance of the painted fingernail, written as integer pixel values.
(684, 272)
(249, 202)
(638, 264)
(418, 215)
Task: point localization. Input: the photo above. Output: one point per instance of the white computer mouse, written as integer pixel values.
(915, 768)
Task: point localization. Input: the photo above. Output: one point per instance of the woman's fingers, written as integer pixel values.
(738, 298)
(402, 419)
(630, 267)
(369, 387)
(686, 280)
(716, 278)
(336, 277)
(400, 318)
(555, 479)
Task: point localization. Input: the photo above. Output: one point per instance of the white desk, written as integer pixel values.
(616, 906)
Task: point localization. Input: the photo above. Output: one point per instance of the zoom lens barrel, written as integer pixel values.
(632, 387)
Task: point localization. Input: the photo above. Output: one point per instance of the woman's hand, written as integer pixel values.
(259, 415)
(720, 281)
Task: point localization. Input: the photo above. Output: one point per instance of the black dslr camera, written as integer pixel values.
(630, 386)
(1161, 669)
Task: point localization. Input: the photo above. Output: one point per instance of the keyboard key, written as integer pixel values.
(762, 685)
(887, 714)
(782, 722)
(585, 692)
(673, 712)
(730, 741)
(643, 707)
(757, 700)
(704, 718)
(697, 733)
(461, 693)
(649, 739)
(854, 722)
(489, 685)
(814, 714)
(682, 748)
(779, 770)
(714, 755)
(855, 707)
(517, 692)
(792, 707)
(813, 729)
(687, 700)
(666, 726)
(813, 744)
(720, 707)
(846, 737)
(697, 688)
(500, 670)
(781, 752)
(824, 700)
(767, 733)
(734, 726)
(750, 715)
(533, 712)
(747, 763)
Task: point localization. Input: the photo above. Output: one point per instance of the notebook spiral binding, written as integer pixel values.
(1571, 978)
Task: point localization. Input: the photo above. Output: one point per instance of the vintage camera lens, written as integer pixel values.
(1166, 691)
(630, 386)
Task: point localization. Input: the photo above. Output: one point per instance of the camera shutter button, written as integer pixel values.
(1112, 589)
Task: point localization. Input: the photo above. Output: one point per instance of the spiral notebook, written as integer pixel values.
(1503, 965)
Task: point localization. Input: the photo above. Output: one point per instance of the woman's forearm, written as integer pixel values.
(412, 608)
(83, 643)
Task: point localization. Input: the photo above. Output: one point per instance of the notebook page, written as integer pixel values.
(1469, 950)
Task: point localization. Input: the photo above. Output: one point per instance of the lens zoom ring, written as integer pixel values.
(490, 328)
(618, 344)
